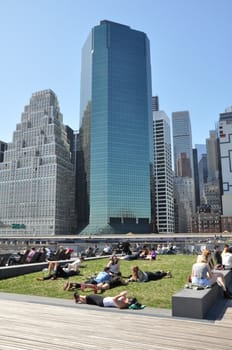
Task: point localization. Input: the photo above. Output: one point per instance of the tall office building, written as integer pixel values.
(212, 147)
(36, 176)
(116, 151)
(225, 132)
(163, 174)
(182, 140)
(196, 177)
(184, 166)
(212, 189)
(183, 204)
(184, 191)
(207, 216)
(201, 150)
(155, 103)
(203, 176)
(199, 157)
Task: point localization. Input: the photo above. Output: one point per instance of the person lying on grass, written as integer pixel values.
(146, 276)
(121, 301)
(115, 281)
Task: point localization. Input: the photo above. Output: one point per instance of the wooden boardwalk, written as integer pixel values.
(34, 323)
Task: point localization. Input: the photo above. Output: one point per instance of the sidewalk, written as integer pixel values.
(39, 323)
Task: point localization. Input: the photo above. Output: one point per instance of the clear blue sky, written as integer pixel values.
(190, 43)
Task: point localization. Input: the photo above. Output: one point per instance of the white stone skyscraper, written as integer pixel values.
(37, 184)
(163, 174)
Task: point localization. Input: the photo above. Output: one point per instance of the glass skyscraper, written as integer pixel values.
(115, 154)
(182, 139)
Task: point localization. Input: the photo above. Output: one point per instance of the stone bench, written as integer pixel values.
(191, 303)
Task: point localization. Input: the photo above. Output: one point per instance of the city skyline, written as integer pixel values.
(190, 55)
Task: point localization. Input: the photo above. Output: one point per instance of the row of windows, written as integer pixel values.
(127, 220)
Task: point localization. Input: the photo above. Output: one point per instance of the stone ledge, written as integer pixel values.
(192, 303)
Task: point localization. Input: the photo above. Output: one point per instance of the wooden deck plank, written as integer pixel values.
(27, 325)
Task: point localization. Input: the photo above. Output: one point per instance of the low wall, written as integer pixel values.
(18, 270)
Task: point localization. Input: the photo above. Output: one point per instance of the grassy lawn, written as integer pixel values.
(153, 294)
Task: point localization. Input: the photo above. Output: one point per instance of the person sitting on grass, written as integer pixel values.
(144, 253)
(151, 255)
(121, 301)
(146, 276)
(114, 265)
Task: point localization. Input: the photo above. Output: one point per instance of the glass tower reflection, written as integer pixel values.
(115, 158)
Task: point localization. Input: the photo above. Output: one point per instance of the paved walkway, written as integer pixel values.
(38, 323)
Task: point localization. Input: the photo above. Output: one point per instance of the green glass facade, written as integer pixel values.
(115, 131)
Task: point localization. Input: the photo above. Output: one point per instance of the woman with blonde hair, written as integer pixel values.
(202, 275)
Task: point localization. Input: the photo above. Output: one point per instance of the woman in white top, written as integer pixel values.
(120, 301)
(227, 258)
(203, 275)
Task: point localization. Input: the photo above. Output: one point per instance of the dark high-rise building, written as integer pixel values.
(196, 177)
(3, 148)
(155, 103)
(201, 150)
(183, 165)
(116, 150)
